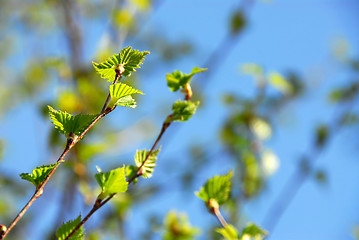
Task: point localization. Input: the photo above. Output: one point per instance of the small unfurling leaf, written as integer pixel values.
(38, 175)
(68, 227)
(178, 80)
(150, 164)
(229, 232)
(67, 123)
(128, 58)
(216, 188)
(111, 182)
(183, 110)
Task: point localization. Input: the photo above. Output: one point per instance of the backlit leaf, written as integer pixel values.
(150, 163)
(279, 82)
(252, 231)
(67, 123)
(39, 174)
(121, 94)
(178, 79)
(229, 232)
(113, 181)
(177, 227)
(68, 227)
(128, 57)
(216, 188)
(183, 110)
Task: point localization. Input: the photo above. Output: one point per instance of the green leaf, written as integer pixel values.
(121, 94)
(68, 227)
(112, 182)
(39, 174)
(279, 82)
(229, 232)
(128, 57)
(66, 123)
(183, 110)
(178, 80)
(150, 163)
(216, 188)
(177, 227)
(252, 231)
(131, 172)
(126, 101)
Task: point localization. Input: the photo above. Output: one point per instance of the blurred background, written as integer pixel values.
(278, 106)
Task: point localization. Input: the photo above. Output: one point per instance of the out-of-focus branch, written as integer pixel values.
(299, 176)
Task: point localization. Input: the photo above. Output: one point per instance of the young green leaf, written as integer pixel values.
(177, 227)
(112, 182)
(121, 94)
(280, 83)
(183, 110)
(67, 123)
(68, 227)
(252, 231)
(126, 101)
(128, 57)
(150, 163)
(38, 175)
(216, 188)
(229, 232)
(178, 79)
(131, 172)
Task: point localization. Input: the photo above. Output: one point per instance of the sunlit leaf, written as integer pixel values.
(67, 123)
(177, 227)
(183, 110)
(150, 163)
(252, 231)
(39, 174)
(68, 227)
(178, 79)
(279, 82)
(113, 181)
(121, 94)
(128, 57)
(216, 188)
(229, 232)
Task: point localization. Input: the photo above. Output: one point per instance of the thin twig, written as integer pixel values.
(99, 203)
(298, 178)
(219, 216)
(70, 144)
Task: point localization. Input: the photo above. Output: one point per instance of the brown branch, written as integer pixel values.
(99, 203)
(71, 142)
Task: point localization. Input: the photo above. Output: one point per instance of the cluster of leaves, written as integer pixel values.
(182, 109)
(114, 181)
